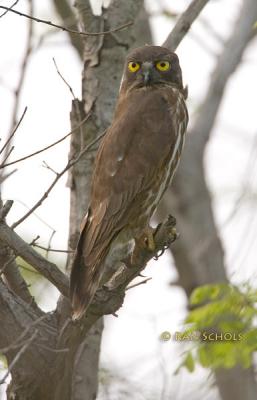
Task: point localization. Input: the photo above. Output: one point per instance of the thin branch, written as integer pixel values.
(70, 164)
(5, 12)
(48, 269)
(35, 215)
(14, 131)
(8, 154)
(18, 356)
(119, 28)
(47, 147)
(34, 240)
(45, 165)
(139, 283)
(184, 23)
(49, 243)
(63, 79)
(22, 74)
(6, 176)
(52, 250)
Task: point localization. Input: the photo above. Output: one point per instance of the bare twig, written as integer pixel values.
(8, 154)
(123, 26)
(13, 131)
(6, 176)
(47, 166)
(18, 356)
(139, 283)
(23, 70)
(52, 250)
(6, 11)
(32, 243)
(49, 243)
(47, 147)
(64, 80)
(58, 176)
(74, 98)
(184, 23)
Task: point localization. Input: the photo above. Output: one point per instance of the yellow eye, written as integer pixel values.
(133, 66)
(163, 65)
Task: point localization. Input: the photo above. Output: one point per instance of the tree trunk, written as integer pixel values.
(103, 60)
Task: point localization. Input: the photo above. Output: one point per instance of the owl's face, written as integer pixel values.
(149, 66)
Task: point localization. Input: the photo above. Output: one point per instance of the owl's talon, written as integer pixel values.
(161, 252)
(172, 235)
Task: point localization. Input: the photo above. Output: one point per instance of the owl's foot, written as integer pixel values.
(153, 242)
(171, 235)
(146, 239)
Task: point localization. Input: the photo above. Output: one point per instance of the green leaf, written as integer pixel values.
(189, 362)
(203, 357)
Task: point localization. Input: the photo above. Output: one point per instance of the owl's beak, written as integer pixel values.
(147, 72)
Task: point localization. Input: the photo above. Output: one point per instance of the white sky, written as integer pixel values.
(154, 307)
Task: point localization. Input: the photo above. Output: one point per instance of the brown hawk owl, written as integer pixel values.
(134, 165)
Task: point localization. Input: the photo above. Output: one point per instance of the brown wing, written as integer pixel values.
(140, 139)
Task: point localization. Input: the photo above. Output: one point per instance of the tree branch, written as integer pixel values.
(106, 301)
(18, 90)
(70, 164)
(184, 23)
(109, 299)
(48, 269)
(9, 268)
(6, 11)
(18, 323)
(75, 32)
(13, 131)
(45, 148)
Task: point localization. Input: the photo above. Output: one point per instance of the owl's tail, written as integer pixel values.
(86, 274)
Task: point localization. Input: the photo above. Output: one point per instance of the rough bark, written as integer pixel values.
(19, 323)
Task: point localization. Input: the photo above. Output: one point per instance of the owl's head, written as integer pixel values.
(149, 66)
